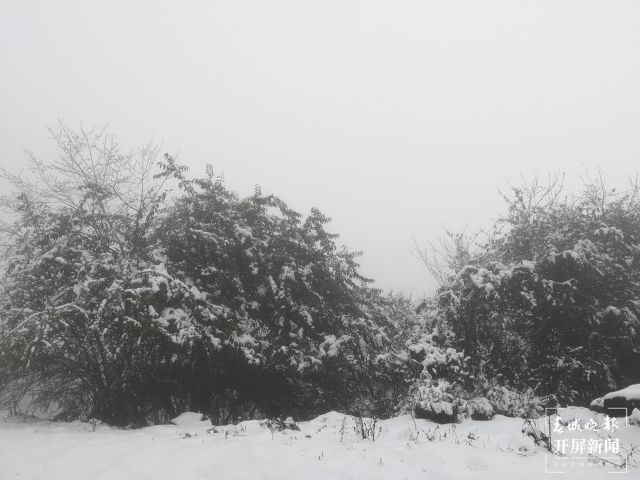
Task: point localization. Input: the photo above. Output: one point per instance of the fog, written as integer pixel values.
(394, 118)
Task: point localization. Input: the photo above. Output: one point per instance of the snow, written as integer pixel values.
(197, 294)
(326, 447)
(242, 233)
(529, 265)
(189, 419)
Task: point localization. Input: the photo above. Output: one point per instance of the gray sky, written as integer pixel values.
(393, 118)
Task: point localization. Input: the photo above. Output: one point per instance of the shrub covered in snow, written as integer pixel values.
(550, 306)
(438, 401)
(516, 404)
(119, 306)
(444, 402)
(297, 321)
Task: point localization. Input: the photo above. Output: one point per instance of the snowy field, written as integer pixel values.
(324, 448)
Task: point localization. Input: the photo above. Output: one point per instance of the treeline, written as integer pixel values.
(128, 303)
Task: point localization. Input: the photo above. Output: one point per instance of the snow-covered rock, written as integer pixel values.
(597, 405)
(634, 418)
(615, 402)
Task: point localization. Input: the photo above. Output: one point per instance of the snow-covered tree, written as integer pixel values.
(78, 329)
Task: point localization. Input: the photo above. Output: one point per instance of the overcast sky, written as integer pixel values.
(393, 118)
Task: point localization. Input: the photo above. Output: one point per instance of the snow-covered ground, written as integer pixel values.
(324, 448)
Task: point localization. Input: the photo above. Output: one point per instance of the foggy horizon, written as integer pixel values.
(394, 119)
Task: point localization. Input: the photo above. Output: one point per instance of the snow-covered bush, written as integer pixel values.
(550, 308)
(443, 401)
(437, 375)
(91, 322)
(439, 401)
(279, 425)
(122, 306)
(295, 311)
(515, 404)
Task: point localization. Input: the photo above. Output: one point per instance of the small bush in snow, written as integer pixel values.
(514, 404)
(436, 400)
(366, 428)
